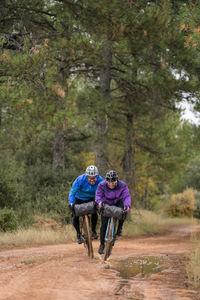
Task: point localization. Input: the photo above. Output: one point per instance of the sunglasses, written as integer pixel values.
(92, 178)
(112, 182)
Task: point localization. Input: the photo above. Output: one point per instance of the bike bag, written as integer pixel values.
(85, 208)
(113, 211)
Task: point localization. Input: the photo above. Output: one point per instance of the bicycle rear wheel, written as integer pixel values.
(109, 239)
(87, 237)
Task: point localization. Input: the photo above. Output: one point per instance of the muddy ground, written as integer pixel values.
(62, 272)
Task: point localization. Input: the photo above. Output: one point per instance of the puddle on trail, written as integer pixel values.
(143, 266)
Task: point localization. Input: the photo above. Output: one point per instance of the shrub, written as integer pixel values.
(7, 193)
(197, 204)
(191, 178)
(8, 220)
(52, 201)
(25, 215)
(181, 204)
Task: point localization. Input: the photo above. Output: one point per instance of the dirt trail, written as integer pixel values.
(62, 272)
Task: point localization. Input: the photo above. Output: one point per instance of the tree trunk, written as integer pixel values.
(59, 151)
(59, 140)
(2, 4)
(100, 148)
(146, 194)
(128, 153)
(128, 161)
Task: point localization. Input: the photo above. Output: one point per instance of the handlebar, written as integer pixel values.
(112, 211)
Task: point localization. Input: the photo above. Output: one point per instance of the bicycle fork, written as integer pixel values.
(113, 235)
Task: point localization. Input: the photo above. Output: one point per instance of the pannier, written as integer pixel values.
(113, 211)
(85, 208)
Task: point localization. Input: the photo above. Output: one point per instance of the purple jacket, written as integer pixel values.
(111, 197)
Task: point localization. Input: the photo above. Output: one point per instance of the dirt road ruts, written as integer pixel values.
(61, 272)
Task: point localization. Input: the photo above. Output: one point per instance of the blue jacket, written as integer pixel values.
(82, 189)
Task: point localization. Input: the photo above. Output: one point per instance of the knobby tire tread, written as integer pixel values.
(84, 234)
(89, 239)
(109, 242)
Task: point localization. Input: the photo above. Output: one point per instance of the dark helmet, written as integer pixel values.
(111, 176)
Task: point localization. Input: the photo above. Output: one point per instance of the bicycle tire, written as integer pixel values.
(91, 253)
(109, 242)
(87, 237)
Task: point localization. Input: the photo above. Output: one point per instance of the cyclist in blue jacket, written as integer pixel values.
(82, 191)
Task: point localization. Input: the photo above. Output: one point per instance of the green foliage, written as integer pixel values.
(25, 215)
(181, 204)
(53, 201)
(53, 77)
(155, 202)
(7, 193)
(34, 188)
(197, 204)
(8, 220)
(191, 176)
(10, 176)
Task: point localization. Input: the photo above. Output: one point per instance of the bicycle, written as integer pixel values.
(113, 213)
(84, 210)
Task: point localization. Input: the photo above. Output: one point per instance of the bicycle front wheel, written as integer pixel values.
(109, 241)
(87, 237)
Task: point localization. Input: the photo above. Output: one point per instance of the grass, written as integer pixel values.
(193, 264)
(140, 223)
(146, 222)
(34, 236)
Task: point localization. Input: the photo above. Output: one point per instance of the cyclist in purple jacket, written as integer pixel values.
(112, 192)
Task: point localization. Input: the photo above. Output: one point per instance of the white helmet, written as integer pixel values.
(91, 171)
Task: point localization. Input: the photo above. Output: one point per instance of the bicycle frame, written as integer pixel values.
(113, 213)
(110, 237)
(84, 210)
